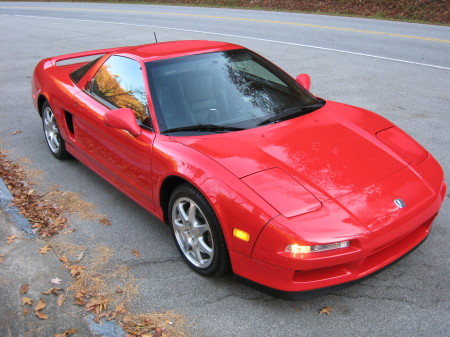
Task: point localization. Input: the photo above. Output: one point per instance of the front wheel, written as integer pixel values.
(54, 140)
(197, 232)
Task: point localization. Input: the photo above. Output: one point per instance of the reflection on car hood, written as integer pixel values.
(331, 152)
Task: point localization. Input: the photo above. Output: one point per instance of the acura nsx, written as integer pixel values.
(252, 172)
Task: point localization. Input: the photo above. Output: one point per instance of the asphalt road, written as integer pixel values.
(399, 70)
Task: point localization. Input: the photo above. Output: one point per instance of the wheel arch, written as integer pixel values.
(40, 102)
(169, 184)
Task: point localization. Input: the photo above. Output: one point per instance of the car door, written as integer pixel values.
(119, 157)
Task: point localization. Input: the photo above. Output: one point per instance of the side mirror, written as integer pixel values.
(304, 80)
(123, 119)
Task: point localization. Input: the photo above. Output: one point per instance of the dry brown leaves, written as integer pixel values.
(154, 324)
(27, 301)
(38, 309)
(136, 253)
(24, 288)
(98, 285)
(96, 280)
(71, 202)
(10, 239)
(45, 249)
(66, 333)
(105, 221)
(54, 291)
(46, 217)
(326, 310)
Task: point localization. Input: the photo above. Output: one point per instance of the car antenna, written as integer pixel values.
(156, 40)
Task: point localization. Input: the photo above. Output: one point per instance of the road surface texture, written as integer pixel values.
(399, 70)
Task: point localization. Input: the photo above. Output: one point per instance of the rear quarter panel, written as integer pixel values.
(53, 84)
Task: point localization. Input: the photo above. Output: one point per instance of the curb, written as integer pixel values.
(13, 212)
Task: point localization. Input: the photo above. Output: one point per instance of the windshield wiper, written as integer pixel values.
(204, 127)
(292, 112)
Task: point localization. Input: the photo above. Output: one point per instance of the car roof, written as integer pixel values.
(163, 50)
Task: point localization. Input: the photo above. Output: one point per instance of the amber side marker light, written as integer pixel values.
(297, 249)
(240, 234)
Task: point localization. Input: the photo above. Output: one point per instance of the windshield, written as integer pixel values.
(232, 90)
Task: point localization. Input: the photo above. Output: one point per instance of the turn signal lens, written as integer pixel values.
(297, 249)
(240, 234)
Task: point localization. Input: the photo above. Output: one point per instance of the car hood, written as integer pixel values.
(330, 152)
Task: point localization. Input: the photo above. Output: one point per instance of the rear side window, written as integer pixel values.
(119, 83)
(78, 74)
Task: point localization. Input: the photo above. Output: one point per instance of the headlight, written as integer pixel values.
(298, 249)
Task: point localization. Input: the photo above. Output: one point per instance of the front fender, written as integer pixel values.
(234, 203)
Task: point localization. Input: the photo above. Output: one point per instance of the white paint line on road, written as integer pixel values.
(241, 37)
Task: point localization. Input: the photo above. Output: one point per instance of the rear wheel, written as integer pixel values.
(54, 140)
(197, 232)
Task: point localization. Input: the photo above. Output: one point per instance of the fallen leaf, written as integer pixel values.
(64, 259)
(158, 332)
(98, 304)
(41, 305)
(105, 221)
(136, 253)
(66, 333)
(119, 291)
(2, 258)
(76, 270)
(10, 239)
(61, 299)
(45, 249)
(56, 280)
(326, 310)
(25, 311)
(106, 314)
(126, 319)
(16, 132)
(51, 291)
(40, 315)
(120, 309)
(24, 288)
(27, 301)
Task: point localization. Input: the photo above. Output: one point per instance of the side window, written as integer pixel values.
(119, 82)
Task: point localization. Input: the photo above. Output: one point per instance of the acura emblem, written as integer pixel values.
(400, 203)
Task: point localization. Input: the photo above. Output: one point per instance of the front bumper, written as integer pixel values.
(305, 294)
(375, 244)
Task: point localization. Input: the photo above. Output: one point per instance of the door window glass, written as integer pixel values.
(119, 82)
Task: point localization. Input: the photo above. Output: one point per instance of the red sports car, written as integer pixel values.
(251, 171)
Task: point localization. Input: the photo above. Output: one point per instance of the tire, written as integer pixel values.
(54, 140)
(197, 232)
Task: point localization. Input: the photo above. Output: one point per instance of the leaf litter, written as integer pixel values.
(101, 288)
(44, 216)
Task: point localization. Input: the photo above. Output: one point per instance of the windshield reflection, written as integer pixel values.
(235, 88)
